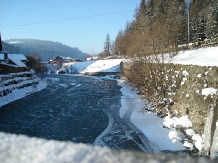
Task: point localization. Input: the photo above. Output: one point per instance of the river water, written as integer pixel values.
(74, 108)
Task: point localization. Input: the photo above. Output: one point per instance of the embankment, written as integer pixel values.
(14, 86)
(192, 91)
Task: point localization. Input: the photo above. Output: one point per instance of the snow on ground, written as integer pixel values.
(148, 122)
(202, 57)
(110, 65)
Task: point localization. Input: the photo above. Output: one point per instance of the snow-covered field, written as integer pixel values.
(202, 57)
(162, 138)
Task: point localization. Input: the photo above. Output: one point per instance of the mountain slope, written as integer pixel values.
(46, 49)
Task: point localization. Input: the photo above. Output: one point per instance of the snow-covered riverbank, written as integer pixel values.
(107, 66)
(161, 131)
(158, 130)
(23, 87)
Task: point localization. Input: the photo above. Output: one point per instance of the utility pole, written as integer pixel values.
(188, 28)
(0, 43)
(92, 48)
(188, 7)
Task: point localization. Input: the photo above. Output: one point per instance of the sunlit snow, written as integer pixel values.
(202, 57)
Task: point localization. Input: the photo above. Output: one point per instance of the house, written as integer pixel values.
(57, 60)
(12, 63)
(92, 58)
(61, 60)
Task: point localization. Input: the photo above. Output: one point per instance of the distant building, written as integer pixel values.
(57, 60)
(92, 58)
(61, 60)
(12, 63)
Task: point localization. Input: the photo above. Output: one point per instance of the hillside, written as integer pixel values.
(46, 49)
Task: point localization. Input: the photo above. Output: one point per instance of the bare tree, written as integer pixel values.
(34, 62)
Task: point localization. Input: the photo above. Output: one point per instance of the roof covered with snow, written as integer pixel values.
(14, 56)
(18, 62)
(13, 65)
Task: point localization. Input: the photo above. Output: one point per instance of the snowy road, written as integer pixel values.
(74, 108)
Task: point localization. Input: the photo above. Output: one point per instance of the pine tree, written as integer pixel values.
(176, 21)
(212, 22)
(198, 19)
(107, 44)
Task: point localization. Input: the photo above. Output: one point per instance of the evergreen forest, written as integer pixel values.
(167, 24)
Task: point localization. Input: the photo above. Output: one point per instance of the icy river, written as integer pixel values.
(74, 108)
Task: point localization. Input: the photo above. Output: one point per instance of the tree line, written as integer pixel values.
(161, 24)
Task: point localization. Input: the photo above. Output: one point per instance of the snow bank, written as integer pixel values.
(111, 65)
(160, 132)
(151, 125)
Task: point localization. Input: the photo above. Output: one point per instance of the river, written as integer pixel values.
(74, 108)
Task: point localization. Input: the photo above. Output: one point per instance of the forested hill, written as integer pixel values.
(46, 49)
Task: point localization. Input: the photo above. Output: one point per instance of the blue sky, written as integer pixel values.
(76, 23)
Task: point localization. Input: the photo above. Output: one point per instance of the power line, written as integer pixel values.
(68, 19)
